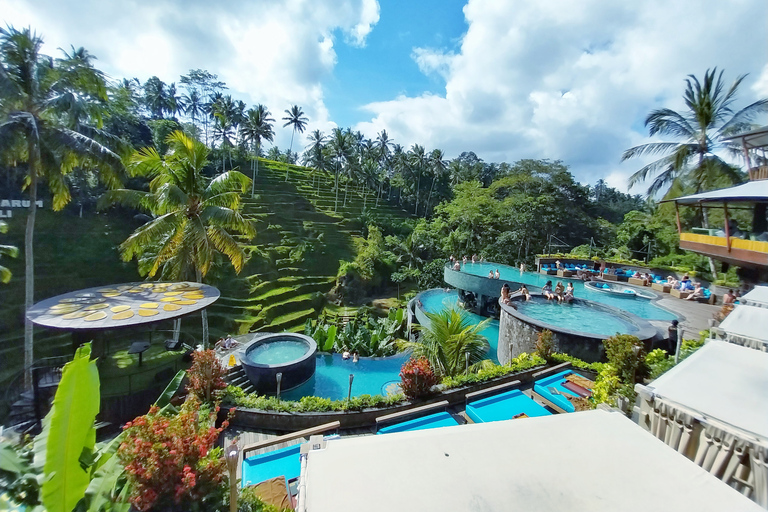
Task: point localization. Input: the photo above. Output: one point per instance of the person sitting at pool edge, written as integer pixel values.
(496, 274)
(355, 357)
(226, 343)
(505, 294)
(547, 291)
(568, 297)
(559, 291)
(524, 292)
(729, 298)
(345, 354)
(490, 274)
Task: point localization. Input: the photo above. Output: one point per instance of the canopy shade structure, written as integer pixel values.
(550, 463)
(123, 305)
(758, 297)
(752, 139)
(750, 192)
(745, 325)
(712, 408)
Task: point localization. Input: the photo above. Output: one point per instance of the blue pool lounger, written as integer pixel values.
(541, 387)
(283, 462)
(440, 419)
(504, 406)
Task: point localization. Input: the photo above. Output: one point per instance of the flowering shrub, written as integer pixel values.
(417, 378)
(171, 460)
(206, 376)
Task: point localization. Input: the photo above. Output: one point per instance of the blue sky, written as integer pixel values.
(568, 80)
(384, 68)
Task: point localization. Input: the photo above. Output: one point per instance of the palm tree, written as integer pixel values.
(417, 161)
(341, 149)
(32, 119)
(437, 167)
(315, 156)
(194, 219)
(257, 126)
(295, 118)
(451, 343)
(710, 118)
(155, 97)
(194, 105)
(174, 103)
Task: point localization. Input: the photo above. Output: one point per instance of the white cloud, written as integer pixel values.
(272, 52)
(572, 80)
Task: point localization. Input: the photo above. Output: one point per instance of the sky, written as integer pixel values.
(568, 80)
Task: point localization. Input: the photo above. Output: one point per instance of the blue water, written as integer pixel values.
(277, 352)
(575, 316)
(641, 307)
(435, 301)
(331, 379)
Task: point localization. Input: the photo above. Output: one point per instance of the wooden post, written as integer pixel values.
(727, 228)
(746, 157)
(677, 218)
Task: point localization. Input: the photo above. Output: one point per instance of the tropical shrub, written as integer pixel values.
(236, 396)
(171, 460)
(558, 357)
(417, 378)
(451, 343)
(519, 364)
(206, 376)
(249, 501)
(368, 336)
(545, 344)
(627, 356)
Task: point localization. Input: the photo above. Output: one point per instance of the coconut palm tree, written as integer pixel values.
(298, 121)
(709, 118)
(341, 149)
(315, 156)
(451, 343)
(257, 126)
(194, 106)
(417, 162)
(437, 167)
(194, 219)
(34, 128)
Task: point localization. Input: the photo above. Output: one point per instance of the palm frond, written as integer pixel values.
(225, 244)
(652, 148)
(149, 234)
(668, 122)
(136, 199)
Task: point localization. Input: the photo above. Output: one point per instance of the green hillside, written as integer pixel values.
(299, 245)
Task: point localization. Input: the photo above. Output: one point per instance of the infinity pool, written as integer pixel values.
(641, 307)
(576, 317)
(277, 352)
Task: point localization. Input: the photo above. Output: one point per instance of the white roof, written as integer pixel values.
(552, 463)
(757, 138)
(748, 321)
(724, 383)
(751, 191)
(759, 294)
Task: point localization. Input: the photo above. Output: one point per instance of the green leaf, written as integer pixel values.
(331, 339)
(170, 390)
(10, 460)
(69, 432)
(102, 487)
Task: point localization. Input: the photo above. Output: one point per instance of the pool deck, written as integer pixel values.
(696, 315)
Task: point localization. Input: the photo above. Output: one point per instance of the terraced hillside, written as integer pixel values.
(297, 250)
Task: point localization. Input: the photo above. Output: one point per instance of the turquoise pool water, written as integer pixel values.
(435, 301)
(277, 352)
(577, 317)
(639, 306)
(331, 379)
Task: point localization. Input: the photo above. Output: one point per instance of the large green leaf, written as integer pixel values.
(170, 390)
(330, 339)
(69, 433)
(10, 460)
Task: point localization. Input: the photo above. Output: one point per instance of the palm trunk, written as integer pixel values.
(203, 313)
(418, 185)
(290, 148)
(429, 198)
(346, 191)
(336, 201)
(29, 262)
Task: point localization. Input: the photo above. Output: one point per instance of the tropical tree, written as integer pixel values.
(341, 149)
(709, 118)
(194, 219)
(296, 119)
(417, 162)
(437, 167)
(451, 343)
(315, 156)
(35, 128)
(257, 126)
(155, 97)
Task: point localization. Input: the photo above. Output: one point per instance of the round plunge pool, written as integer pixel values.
(578, 328)
(291, 356)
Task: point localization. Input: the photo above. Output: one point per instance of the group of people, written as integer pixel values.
(346, 355)
(506, 295)
(645, 276)
(560, 293)
(494, 275)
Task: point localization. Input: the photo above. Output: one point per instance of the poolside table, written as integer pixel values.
(139, 347)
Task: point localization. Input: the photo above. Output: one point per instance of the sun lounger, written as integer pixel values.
(675, 292)
(505, 406)
(610, 277)
(557, 396)
(636, 281)
(564, 273)
(663, 287)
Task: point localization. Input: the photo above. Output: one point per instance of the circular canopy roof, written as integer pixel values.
(123, 305)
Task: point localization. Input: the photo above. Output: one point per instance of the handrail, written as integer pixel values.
(334, 425)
